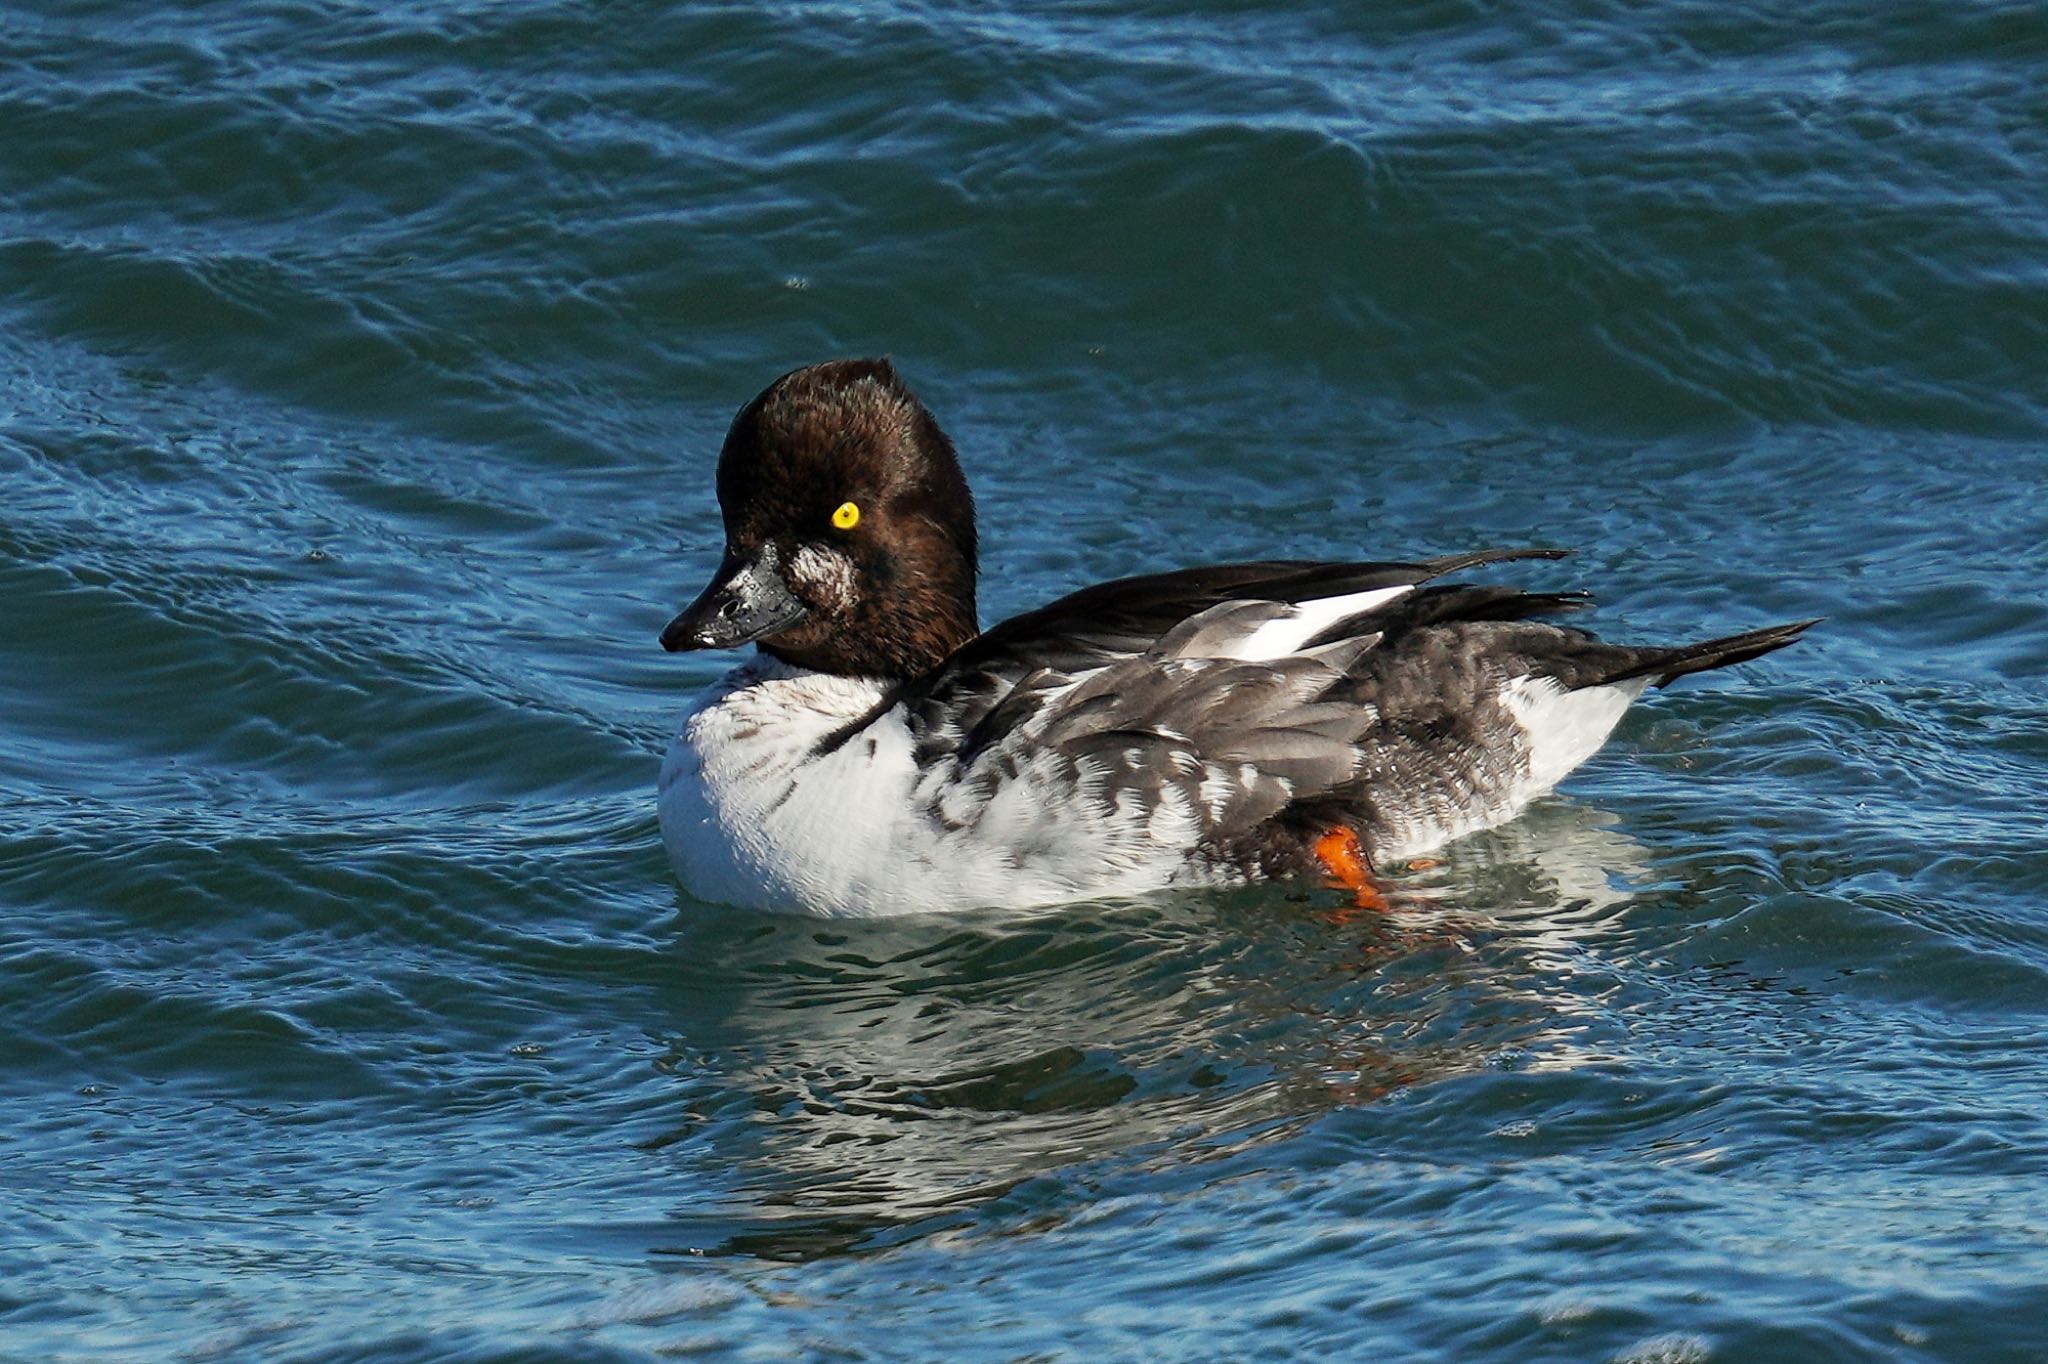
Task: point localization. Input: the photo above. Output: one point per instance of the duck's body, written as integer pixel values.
(1208, 726)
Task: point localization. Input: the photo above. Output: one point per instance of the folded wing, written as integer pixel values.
(1241, 711)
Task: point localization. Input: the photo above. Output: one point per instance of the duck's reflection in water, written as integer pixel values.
(840, 1082)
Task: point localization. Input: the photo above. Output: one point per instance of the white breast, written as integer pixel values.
(753, 814)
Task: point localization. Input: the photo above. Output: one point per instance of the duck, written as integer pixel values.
(879, 753)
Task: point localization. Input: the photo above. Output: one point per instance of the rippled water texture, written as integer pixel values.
(361, 371)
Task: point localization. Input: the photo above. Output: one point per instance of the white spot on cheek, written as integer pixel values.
(826, 572)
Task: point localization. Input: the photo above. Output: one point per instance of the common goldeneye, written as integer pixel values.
(882, 754)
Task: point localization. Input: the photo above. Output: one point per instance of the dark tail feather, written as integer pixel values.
(1668, 665)
(1458, 563)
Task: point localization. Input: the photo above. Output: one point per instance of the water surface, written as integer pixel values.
(361, 373)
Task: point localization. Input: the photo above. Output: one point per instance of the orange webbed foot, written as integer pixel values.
(1344, 858)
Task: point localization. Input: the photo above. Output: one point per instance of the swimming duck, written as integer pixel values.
(880, 753)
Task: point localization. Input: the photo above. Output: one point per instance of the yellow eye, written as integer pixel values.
(847, 517)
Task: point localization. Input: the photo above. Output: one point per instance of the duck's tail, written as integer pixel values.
(1665, 666)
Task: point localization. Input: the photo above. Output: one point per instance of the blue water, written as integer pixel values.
(362, 370)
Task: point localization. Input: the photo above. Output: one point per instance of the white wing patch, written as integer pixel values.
(1284, 634)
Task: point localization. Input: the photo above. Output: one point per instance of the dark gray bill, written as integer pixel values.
(747, 600)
